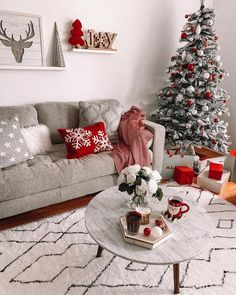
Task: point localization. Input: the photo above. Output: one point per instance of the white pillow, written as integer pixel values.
(37, 139)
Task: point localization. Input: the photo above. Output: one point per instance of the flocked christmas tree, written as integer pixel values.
(191, 106)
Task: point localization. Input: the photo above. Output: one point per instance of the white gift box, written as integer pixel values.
(171, 159)
(211, 184)
(230, 165)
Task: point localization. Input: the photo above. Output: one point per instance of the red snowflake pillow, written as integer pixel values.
(84, 141)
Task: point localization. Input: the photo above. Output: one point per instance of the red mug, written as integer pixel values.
(175, 207)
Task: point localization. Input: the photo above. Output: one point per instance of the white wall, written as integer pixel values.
(148, 33)
(225, 27)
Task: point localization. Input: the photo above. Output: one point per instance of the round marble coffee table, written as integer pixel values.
(190, 235)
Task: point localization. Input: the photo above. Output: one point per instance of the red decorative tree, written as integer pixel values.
(76, 34)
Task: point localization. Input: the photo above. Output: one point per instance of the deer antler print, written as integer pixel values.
(17, 47)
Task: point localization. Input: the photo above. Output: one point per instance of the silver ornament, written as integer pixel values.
(194, 112)
(206, 75)
(200, 53)
(198, 30)
(210, 22)
(217, 58)
(205, 108)
(219, 113)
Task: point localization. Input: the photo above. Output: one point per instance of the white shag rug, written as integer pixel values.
(57, 256)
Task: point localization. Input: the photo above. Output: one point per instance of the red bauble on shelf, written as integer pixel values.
(76, 34)
(216, 120)
(190, 67)
(184, 35)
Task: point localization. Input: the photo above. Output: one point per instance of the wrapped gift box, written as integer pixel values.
(215, 171)
(210, 184)
(174, 158)
(183, 175)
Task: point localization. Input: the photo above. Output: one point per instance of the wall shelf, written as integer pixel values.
(32, 68)
(95, 51)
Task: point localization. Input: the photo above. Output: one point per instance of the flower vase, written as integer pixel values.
(137, 201)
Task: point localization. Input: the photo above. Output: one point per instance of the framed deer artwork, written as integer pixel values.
(20, 39)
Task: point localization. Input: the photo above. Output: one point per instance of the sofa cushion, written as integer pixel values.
(108, 111)
(13, 149)
(82, 169)
(84, 141)
(57, 115)
(33, 176)
(27, 114)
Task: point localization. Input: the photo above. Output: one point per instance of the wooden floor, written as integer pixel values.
(41, 213)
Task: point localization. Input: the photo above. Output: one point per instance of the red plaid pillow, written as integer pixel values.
(84, 141)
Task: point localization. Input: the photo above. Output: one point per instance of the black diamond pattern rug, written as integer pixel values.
(57, 256)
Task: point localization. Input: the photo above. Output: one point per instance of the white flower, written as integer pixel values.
(124, 171)
(152, 186)
(133, 169)
(131, 178)
(121, 179)
(156, 175)
(142, 188)
(148, 170)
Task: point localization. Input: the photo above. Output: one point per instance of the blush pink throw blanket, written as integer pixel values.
(133, 137)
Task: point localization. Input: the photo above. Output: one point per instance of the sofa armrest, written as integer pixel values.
(158, 143)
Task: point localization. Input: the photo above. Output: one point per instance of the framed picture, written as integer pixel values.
(20, 39)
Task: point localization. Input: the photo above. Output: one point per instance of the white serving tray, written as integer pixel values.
(140, 239)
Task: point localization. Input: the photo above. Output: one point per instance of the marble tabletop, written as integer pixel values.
(190, 235)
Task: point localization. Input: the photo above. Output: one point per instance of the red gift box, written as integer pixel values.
(183, 175)
(215, 171)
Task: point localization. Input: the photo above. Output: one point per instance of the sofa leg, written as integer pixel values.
(99, 252)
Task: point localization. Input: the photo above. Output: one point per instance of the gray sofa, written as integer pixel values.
(51, 178)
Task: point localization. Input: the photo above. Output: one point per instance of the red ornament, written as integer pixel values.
(212, 77)
(221, 76)
(208, 94)
(194, 49)
(173, 75)
(186, 16)
(216, 120)
(216, 37)
(147, 231)
(214, 142)
(172, 58)
(184, 35)
(189, 102)
(190, 67)
(190, 75)
(192, 29)
(224, 101)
